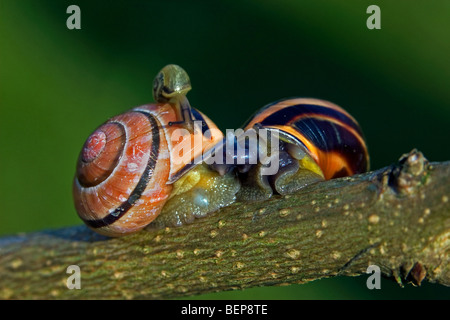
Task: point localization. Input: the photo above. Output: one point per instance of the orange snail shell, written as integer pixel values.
(121, 181)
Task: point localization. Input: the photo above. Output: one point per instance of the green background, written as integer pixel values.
(57, 85)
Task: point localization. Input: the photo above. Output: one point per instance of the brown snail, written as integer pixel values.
(140, 162)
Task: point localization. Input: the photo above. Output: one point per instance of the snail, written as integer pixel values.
(139, 165)
(317, 140)
(171, 85)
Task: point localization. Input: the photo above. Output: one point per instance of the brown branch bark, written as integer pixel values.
(397, 218)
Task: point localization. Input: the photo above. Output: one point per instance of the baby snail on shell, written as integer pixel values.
(139, 165)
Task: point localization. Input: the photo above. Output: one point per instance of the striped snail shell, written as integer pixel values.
(330, 135)
(125, 169)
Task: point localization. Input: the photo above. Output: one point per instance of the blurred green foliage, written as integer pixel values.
(57, 85)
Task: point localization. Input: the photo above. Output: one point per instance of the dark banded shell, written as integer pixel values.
(332, 136)
(126, 167)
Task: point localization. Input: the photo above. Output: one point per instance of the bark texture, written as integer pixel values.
(397, 218)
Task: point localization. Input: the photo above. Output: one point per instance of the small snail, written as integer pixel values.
(317, 140)
(171, 85)
(139, 164)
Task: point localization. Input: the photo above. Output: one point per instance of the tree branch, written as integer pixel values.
(397, 218)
